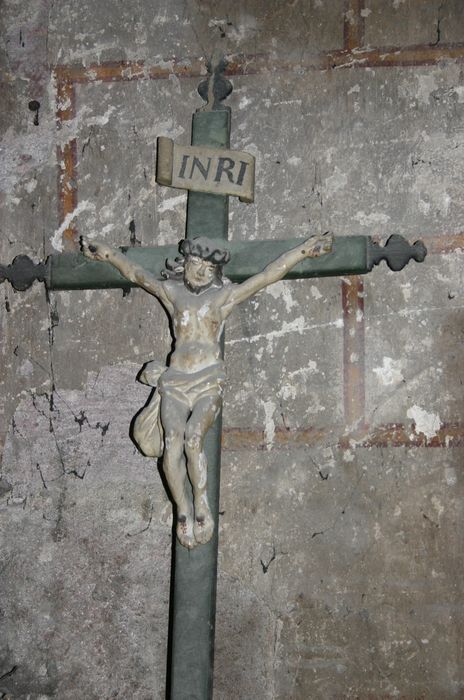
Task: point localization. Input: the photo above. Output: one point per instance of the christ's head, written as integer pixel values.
(199, 273)
(201, 264)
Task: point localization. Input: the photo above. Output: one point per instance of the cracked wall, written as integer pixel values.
(342, 452)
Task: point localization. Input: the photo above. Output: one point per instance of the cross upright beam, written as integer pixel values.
(193, 597)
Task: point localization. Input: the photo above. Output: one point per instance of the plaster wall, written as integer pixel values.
(341, 515)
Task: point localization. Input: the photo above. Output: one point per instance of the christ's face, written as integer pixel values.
(199, 273)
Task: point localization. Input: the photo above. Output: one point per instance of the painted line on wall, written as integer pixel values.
(399, 435)
(67, 159)
(255, 64)
(67, 177)
(440, 244)
(352, 289)
(126, 71)
(450, 435)
(353, 24)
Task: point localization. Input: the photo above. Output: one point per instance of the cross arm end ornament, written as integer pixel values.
(396, 252)
(216, 88)
(23, 271)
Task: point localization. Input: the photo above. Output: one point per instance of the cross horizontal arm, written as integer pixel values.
(351, 255)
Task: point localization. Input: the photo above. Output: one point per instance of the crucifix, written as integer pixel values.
(182, 421)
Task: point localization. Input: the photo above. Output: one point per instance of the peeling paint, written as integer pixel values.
(269, 424)
(371, 218)
(57, 238)
(283, 290)
(427, 423)
(390, 371)
(172, 203)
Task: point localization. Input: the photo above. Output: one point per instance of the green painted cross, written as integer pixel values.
(211, 173)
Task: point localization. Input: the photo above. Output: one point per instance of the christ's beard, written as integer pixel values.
(198, 288)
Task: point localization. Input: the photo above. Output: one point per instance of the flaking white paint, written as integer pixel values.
(390, 372)
(426, 423)
(57, 238)
(269, 424)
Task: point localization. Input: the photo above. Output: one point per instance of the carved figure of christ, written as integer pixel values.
(198, 300)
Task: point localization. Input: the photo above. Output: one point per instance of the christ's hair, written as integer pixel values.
(200, 247)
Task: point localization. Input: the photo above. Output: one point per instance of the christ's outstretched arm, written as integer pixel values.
(313, 247)
(131, 271)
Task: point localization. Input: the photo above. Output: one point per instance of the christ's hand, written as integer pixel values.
(130, 270)
(95, 251)
(315, 246)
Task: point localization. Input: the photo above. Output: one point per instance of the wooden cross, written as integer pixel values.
(205, 168)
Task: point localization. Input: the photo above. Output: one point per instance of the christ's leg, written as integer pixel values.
(202, 418)
(174, 416)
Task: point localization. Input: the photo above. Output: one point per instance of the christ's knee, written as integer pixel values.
(173, 451)
(193, 444)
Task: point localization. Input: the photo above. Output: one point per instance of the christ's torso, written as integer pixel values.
(197, 321)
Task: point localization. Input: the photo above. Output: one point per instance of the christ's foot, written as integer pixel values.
(203, 527)
(184, 530)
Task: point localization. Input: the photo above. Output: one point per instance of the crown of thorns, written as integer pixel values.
(203, 248)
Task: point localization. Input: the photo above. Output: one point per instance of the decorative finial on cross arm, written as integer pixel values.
(23, 271)
(216, 87)
(396, 252)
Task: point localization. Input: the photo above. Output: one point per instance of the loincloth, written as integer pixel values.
(147, 430)
(186, 387)
(190, 387)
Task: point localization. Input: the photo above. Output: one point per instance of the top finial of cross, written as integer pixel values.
(216, 87)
